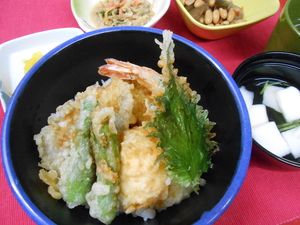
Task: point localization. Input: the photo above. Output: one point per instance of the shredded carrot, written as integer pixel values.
(237, 13)
(136, 2)
(122, 4)
(117, 7)
(109, 4)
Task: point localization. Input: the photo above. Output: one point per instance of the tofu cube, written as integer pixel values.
(270, 98)
(258, 115)
(292, 137)
(248, 97)
(289, 102)
(268, 136)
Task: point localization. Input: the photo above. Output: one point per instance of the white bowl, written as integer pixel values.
(81, 11)
(13, 52)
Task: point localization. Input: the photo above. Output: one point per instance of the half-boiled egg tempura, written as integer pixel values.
(135, 144)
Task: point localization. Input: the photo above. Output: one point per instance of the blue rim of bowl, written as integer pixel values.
(208, 217)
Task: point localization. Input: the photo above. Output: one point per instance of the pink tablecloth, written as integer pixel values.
(269, 195)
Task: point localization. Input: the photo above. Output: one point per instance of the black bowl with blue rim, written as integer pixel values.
(70, 68)
(278, 67)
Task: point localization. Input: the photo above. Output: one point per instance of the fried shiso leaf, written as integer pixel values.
(80, 149)
(183, 127)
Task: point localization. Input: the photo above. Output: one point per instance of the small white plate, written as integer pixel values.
(81, 10)
(13, 52)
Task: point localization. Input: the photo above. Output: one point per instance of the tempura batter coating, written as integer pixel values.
(143, 179)
(138, 143)
(56, 140)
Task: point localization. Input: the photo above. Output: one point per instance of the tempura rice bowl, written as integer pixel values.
(73, 66)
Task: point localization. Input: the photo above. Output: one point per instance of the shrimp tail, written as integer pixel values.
(145, 76)
(116, 68)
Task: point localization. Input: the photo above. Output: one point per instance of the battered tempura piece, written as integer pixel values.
(141, 138)
(143, 180)
(102, 198)
(65, 151)
(64, 144)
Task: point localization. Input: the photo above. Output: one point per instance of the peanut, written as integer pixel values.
(238, 21)
(211, 14)
(208, 16)
(198, 3)
(216, 16)
(225, 22)
(189, 2)
(201, 20)
(211, 3)
(223, 13)
(230, 15)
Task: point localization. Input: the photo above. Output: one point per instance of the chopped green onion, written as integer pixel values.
(273, 84)
(288, 126)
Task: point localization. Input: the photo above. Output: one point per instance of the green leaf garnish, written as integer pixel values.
(184, 131)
